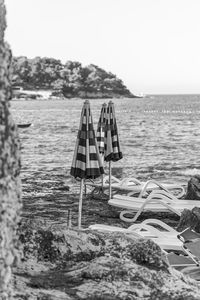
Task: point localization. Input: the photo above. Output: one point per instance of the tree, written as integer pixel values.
(69, 79)
(9, 170)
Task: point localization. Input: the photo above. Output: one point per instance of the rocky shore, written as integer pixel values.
(62, 263)
(59, 263)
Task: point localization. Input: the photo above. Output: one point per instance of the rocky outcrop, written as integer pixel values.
(190, 218)
(68, 264)
(9, 170)
(193, 188)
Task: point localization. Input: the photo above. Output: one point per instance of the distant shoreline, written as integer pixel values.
(67, 80)
(21, 94)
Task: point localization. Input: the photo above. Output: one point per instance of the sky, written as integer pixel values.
(152, 45)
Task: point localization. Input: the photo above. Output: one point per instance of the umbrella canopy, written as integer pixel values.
(112, 146)
(101, 129)
(86, 162)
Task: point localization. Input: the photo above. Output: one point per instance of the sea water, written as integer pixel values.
(159, 136)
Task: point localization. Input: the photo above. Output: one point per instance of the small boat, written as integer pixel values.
(24, 125)
(140, 95)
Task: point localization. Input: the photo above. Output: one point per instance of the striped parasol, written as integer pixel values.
(112, 146)
(101, 133)
(101, 129)
(86, 163)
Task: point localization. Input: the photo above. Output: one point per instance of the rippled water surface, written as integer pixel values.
(159, 135)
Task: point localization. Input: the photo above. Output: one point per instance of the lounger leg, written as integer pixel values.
(125, 219)
(181, 194)
(138, 212)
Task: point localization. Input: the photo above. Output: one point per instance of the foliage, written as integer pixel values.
(70, 79)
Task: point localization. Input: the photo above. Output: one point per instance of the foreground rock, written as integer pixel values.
(9, 169)
(67, 264)
(193, 188)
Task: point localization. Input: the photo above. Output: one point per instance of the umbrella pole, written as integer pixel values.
(102, 181)
(110, 186)
(80, 204)
(102, 157)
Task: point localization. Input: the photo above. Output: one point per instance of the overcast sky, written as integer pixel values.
(152, 45)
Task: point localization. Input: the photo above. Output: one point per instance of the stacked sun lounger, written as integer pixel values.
(182, 250)
(187, 243)
(157, 201)
(134, 186)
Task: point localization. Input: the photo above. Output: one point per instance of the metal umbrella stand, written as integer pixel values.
(112, 146)
(86, 163)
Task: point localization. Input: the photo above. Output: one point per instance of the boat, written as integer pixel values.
(24, 125)
(140, 95)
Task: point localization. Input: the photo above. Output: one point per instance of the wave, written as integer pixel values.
(190, 172)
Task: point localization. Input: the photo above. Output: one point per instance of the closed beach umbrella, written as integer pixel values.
(101, 129)
(112, 146)
(86, 163)
(101, 132)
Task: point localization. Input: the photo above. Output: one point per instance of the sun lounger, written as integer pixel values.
(189, 252)
(189, 238)
(155, 228)
(135, 186)
(193, 248)
(149, 227)
(188, 235)
(157, 201)
(167, 240)
(180, 261)
(143, 230)
(189, 264)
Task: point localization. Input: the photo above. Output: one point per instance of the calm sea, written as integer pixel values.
(159, 136)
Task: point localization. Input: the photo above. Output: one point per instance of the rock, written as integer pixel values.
(193, 188)
(10, 190)
(62, 246)
(72, 264)
(113, 278)
(190, 218)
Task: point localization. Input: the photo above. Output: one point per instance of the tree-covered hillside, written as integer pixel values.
(69, 80)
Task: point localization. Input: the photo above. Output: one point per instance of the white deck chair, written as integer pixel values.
(136, 186)
(167, 241)
(180, 262)
(156, 227)
(157, 201)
